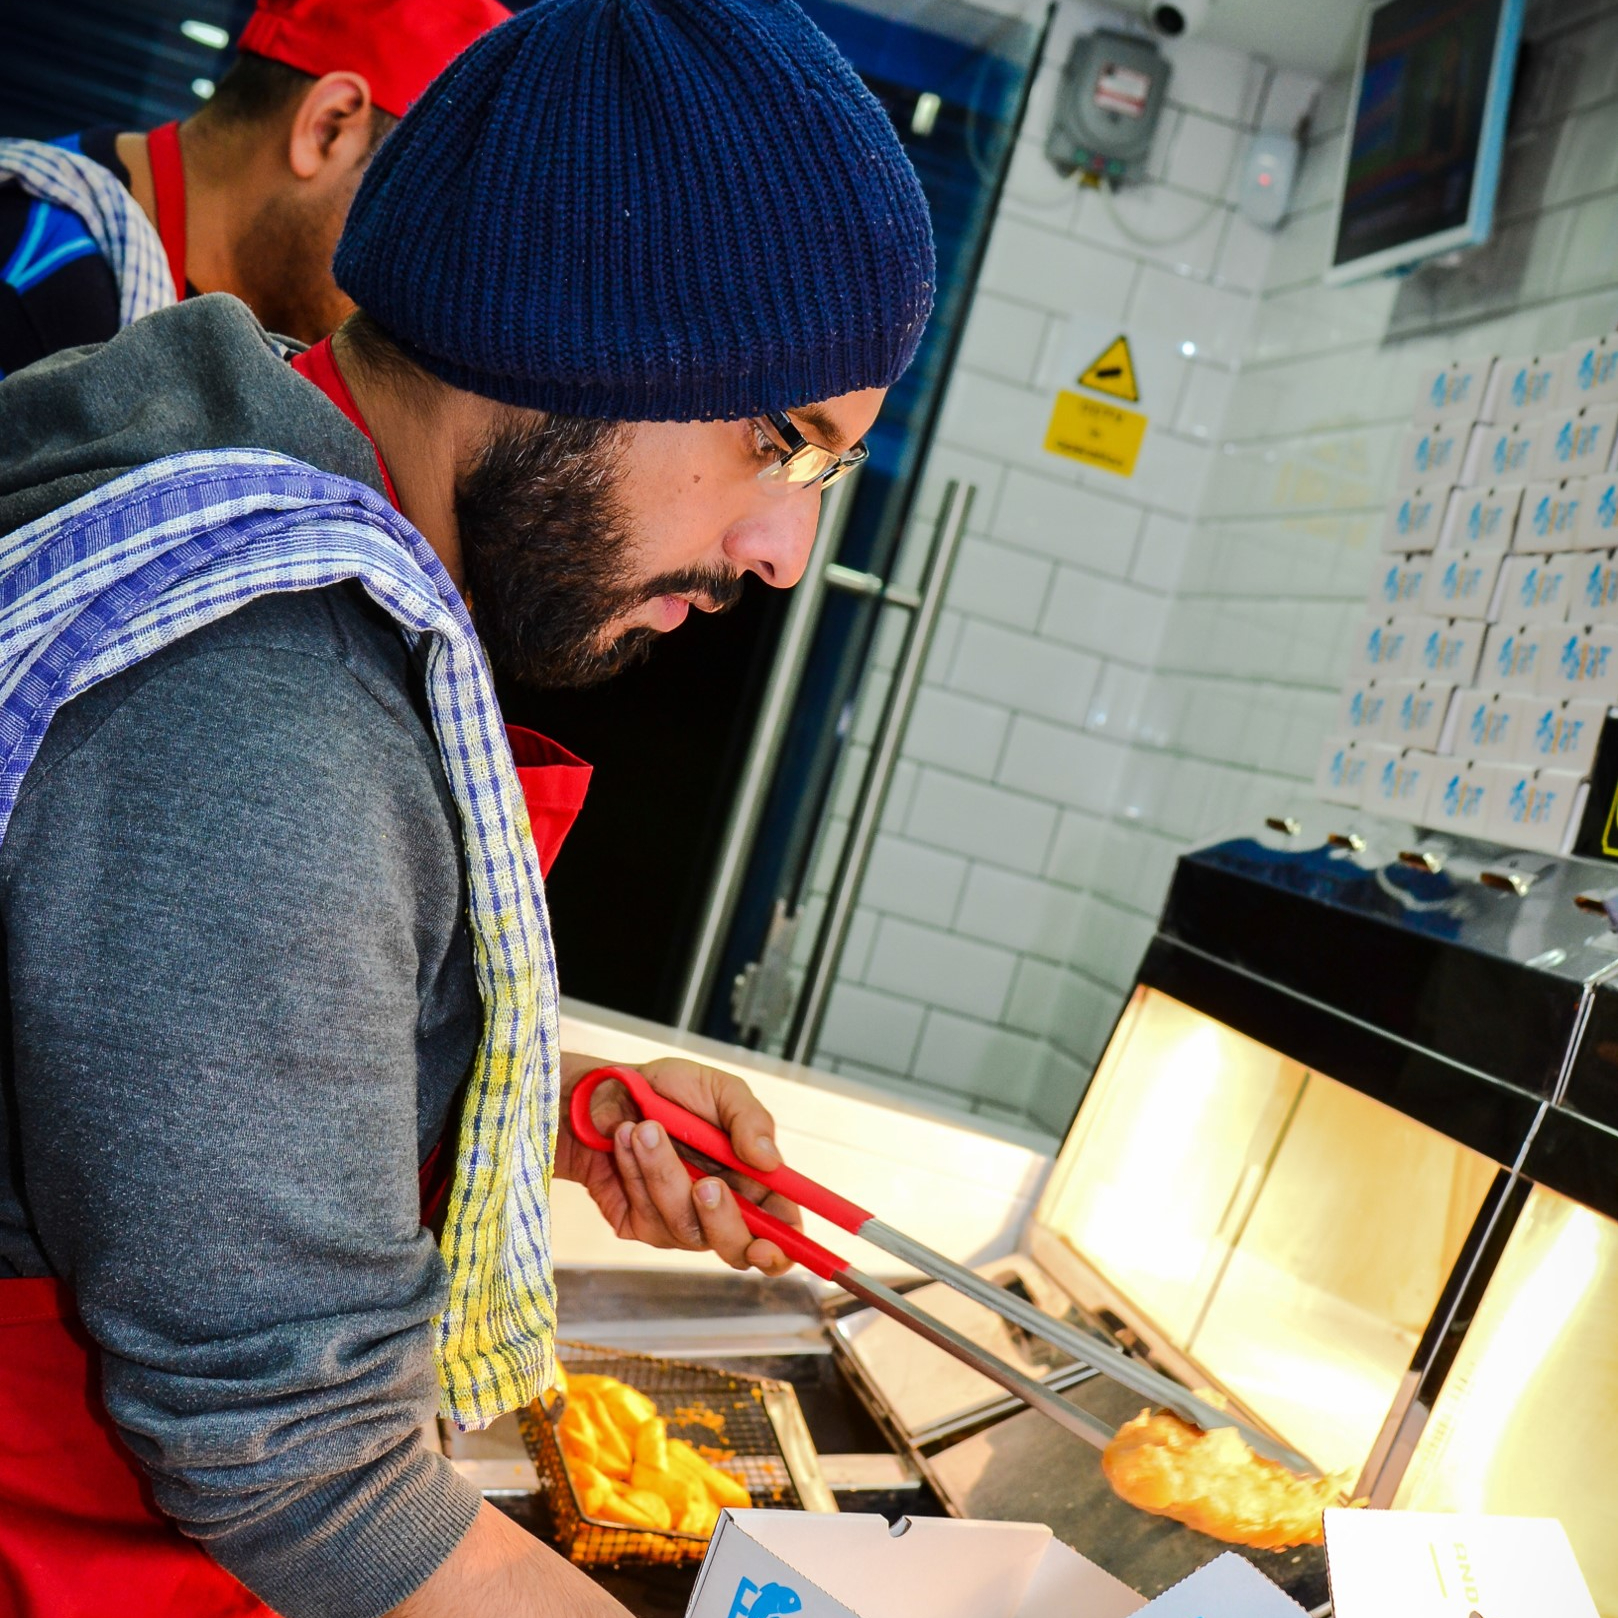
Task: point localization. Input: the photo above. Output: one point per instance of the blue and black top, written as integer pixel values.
(56, 290)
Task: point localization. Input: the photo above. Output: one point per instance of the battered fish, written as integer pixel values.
(1213, 1482)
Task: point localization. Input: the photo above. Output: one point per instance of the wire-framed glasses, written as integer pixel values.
(804, 465)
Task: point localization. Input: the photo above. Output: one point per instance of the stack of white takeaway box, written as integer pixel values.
(1483, 669)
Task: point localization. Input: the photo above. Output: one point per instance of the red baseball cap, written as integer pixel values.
(400, 46)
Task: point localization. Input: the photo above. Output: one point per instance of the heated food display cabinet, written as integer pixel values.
(1350, 1160)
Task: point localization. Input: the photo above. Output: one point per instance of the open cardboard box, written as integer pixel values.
(1382, 1564)
(766, 1564)
(1417, 1564)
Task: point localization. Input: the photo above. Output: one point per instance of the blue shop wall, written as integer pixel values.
(122, 62)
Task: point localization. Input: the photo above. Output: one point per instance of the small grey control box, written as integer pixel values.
(1107, 107)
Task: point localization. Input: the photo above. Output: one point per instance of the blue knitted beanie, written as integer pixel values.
(646, 210)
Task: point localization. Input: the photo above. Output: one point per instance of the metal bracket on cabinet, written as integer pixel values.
(1507, 881)
(853, 582)
(1430, 860)
(1600, 904)
(762, 996)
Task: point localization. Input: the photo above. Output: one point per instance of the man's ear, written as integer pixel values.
(332, 125)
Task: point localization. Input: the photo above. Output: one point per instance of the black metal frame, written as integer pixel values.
(1472, 987)
(1486, 1014)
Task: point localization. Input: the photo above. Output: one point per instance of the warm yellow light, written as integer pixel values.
(1516, 1350)
(1141, 1232)
(1287, 1234)
(1527, 1420)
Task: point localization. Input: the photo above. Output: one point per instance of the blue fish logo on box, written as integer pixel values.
(1440, 391)
(1506, 660)
(1564, 442)
(772, 1601)
(1587, 369)
(1607, 511)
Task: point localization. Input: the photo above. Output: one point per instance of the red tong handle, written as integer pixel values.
(712, 1141)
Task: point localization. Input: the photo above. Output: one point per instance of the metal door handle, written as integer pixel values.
(821, 971)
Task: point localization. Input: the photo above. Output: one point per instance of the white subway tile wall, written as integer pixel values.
(983, 979)
(1132, 666)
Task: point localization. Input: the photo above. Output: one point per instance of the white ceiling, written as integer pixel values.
(1314, 36)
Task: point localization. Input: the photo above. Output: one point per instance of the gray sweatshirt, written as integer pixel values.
(240, 1007)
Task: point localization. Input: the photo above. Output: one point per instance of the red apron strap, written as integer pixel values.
(79, 1534)
(553, 783)
(317, 365)
(168, 186)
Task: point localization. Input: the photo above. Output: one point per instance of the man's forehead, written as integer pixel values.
(837, 424)
(822, 425)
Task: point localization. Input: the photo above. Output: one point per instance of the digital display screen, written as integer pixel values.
(1419, 123)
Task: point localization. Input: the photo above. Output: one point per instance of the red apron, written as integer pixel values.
(80, 1536)
(168, 191)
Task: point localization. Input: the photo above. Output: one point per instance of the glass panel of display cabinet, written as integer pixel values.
(1279, 1233)
(1172, 1138)
(1526, 1424)
(1360, 1219)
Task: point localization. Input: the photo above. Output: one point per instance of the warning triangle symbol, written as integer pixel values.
(1113, 372)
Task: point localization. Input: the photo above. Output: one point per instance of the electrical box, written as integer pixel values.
(1107, 107)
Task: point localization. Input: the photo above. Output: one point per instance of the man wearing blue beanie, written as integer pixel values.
(283, 1092)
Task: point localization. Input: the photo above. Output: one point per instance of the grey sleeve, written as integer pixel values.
(222, 893)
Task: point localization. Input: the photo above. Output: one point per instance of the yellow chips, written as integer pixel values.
(626, 1469)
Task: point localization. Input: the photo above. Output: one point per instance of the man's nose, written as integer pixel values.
(775, 543)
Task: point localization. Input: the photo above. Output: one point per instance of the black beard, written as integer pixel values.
(546, 549)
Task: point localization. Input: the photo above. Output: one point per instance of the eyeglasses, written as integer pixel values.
(804, 465)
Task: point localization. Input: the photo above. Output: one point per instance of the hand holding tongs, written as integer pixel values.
(705, 1149)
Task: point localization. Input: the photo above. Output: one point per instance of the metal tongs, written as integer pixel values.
(706, 1150)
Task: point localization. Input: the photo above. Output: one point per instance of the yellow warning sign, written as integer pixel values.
(1113, 372)
(1097, 434)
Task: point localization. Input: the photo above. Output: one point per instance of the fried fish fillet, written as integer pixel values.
(1214, 1483)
